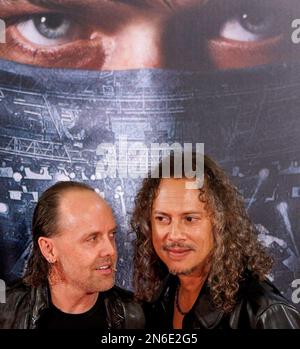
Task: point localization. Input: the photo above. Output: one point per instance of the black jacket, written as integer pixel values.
(25, 305)
(259, 306)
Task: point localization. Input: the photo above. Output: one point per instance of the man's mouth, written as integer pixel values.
(177, 253)
(105, 269)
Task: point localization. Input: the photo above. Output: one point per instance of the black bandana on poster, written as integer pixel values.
(53, 121)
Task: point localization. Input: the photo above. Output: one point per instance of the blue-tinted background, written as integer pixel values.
(52, 121)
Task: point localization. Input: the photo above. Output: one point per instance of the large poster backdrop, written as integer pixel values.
(222, 73)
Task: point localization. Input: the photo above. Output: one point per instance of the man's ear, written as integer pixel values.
(47, 249)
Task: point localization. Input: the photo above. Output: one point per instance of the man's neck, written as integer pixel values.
(192, 284)
(70, 300)
(187, 293)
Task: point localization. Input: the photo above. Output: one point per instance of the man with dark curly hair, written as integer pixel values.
(198, 263)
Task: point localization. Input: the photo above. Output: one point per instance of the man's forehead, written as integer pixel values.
(110, 10)
(99, 3)
(175, 189)
(94, 3)
(84, 211)
(75, 200)
(83, 203)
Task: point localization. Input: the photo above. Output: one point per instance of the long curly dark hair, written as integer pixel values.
(45, 223)
(236, 251)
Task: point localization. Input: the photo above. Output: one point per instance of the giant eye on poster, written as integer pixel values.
(90, 93)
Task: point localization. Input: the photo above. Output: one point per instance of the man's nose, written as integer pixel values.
(107, 247)
(156, 41)
(137, 46)
(176, 231)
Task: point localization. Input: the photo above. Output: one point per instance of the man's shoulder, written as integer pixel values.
(15, 308)
(124, 309)
(262, 294)
(121, 293)
(20, 295)
(267, 307)
(17, 291)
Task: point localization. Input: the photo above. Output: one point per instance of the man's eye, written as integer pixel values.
(112, 235)
(162, 219)
(48, 29)
(190, 219)
(92, 239)
(252, 23)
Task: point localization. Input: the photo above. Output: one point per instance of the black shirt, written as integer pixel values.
(93, 319)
